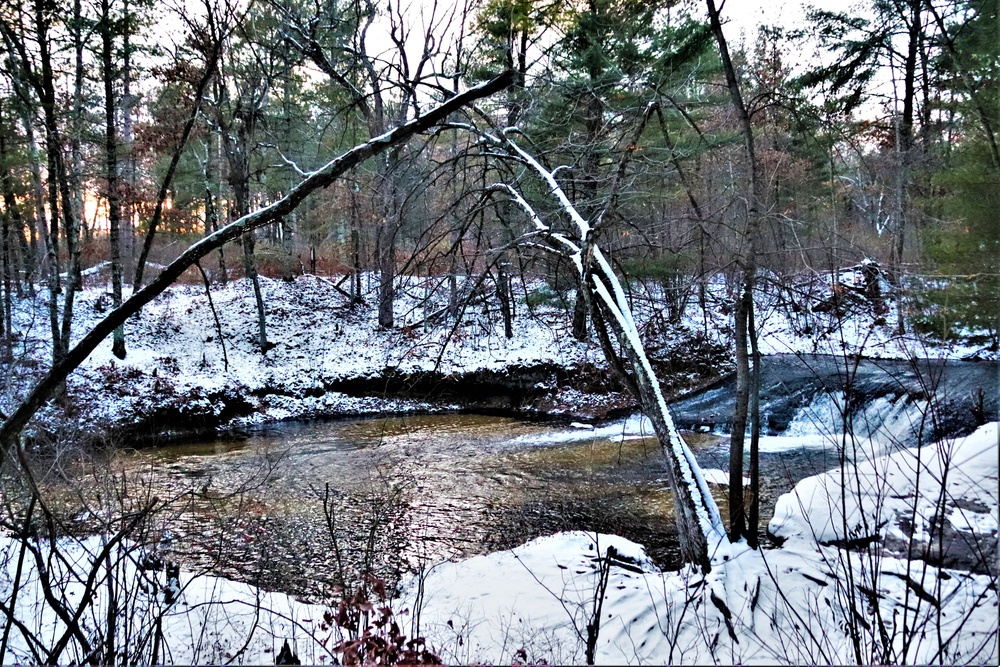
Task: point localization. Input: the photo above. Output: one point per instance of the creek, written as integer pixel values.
(302, 506)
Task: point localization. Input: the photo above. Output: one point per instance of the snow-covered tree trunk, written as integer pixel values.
(700, 528)
(321, 178)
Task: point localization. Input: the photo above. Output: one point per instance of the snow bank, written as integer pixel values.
(785, 607)
(901, 494)
(803, 603)
(211, 619)
(177, 363)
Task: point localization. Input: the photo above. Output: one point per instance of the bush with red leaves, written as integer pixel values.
(377, 639)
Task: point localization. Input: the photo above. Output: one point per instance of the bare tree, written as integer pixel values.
(107, 32)
(384, 87)
(747, 378)
(207, 39)
(34, 78)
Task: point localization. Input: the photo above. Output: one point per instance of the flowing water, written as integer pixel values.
(397, 493)
(303, 506)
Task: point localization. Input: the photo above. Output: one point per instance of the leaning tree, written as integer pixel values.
(702, 533)
(320, 178)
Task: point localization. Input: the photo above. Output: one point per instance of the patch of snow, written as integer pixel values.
(635, 426)
(539, 598)
(720, 477)
(870, 497)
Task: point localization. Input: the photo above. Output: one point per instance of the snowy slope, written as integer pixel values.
(177, 362)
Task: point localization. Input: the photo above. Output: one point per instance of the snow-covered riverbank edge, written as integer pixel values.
(801, 603)
(806, 602)
(329, 358)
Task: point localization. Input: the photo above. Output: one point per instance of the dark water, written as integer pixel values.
(966, 393)
(302, 507)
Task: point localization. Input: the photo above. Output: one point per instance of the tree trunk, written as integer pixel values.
(11, 217)
(76, 131)
(212, 185)
(747, 261)
(700, 528)
(904, 149)
(58, 191)
(389, 223)
(240, 181)
(503, 294)
(753, 511)
(287, 225)
(71, 230)
(699, 525)
(387, 273)
(111, 172)
(38, 226)
(355, 246)
(46, 95)
(250, 269)
(127, 233)
(580, 316)
(737, 512)
(593, 122)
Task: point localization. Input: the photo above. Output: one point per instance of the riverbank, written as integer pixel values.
(194, 364)
(328, 358)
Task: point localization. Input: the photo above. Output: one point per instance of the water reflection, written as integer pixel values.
(414, 489)
(302, 506)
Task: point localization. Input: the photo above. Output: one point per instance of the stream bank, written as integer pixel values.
(160, 403)
(543, 391)
(451, 486)
(186, 373)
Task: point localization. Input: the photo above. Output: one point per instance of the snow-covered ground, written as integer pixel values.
(802, 603)
(177, 362)
(176, 357)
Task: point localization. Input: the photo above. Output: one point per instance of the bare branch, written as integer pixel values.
(321, 178)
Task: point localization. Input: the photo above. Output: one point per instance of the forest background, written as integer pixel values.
(122, 145)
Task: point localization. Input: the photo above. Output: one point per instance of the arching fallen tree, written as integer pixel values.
(42, 391)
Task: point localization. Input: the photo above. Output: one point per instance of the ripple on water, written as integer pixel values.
(402, 492)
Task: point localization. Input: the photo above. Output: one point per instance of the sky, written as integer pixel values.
(746, 16)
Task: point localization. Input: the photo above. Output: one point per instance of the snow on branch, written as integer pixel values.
(320, 178)
(702, 532)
